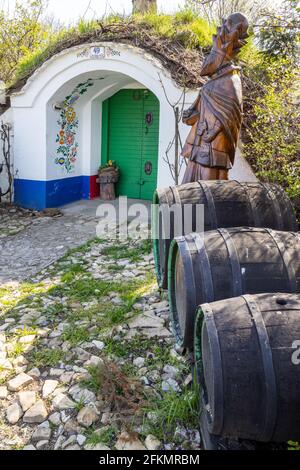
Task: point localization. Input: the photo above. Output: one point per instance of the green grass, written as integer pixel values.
(185, 27)
(79, 405)
(174, 409)
(125, 348)
(75, 334)
(46, 357)
(11, 296)
(17, 350)
(133, 253)
(93, 382)
(292, 445)
(105, 436)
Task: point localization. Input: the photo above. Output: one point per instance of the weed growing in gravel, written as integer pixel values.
(12, 295)
(172, 410)
(134, 253)
(46, 357)
(75, 334)
(17, 350)
(92, 383)
(105, 436)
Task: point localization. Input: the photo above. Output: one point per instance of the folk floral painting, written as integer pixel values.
(67, 149)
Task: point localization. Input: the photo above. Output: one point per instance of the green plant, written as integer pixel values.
(272, 140)
(79, 405)
(46, 357)
(75, 334)
(172, 410)
(101, 436)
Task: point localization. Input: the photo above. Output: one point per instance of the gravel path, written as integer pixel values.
(87, 358)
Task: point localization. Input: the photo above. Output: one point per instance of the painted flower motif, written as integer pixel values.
(70, 138)
(68, 123)
(70, 114)
(61, 138)
(60, 161)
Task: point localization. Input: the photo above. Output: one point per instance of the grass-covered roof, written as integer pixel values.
(178, 41)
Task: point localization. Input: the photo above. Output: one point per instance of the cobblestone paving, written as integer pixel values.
(30, 244)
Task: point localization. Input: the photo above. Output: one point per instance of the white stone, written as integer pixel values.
(62, 402)
(139, 361)
(42, 444)
(127, 442)
(94, 361)
(49, 387)
(34, 372)
(14, 413)
(55, 419)
(20, 361)
(27, 339)
(26, 399)
(82, 395)
(170, 385)
(3, 392)
(96, 447)
(5, 364)
(171, 371)
(71, 440)
(152, 443)
(19, 382)
(36, 414)
(87, 416)
(29, 447)
(59, 442)
(56, 372)
(42, 432)
(81, 439)
(99, 344)
(66, 377)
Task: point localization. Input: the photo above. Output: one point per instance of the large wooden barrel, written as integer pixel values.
(226, 204)
(247, 364)
(226, 263)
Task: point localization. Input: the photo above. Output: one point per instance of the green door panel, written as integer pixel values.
(150, 145)
(130, 141)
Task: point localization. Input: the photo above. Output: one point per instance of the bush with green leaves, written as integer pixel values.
(272, 141)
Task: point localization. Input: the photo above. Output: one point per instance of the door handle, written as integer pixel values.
(141, 182)
(147, 130)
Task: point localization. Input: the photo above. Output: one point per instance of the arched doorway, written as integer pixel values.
(130, 130)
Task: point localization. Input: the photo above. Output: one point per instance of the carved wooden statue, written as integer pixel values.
(216, 115)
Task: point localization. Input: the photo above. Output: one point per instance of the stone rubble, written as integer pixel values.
(54, 404)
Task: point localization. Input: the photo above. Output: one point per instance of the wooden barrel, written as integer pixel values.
(226, 263)
(226, 204)
(248, 366)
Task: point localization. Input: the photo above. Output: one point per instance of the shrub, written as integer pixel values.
(272, 137)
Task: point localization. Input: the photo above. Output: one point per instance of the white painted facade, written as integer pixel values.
(116, 66)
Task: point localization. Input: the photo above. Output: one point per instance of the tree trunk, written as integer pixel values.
(142, 6)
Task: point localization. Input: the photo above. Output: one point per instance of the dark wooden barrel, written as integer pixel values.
(248, 366)
(226, 204)
(226, 263)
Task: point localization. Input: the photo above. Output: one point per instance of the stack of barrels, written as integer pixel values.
(234, 302)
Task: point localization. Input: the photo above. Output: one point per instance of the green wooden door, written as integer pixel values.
(130, 126)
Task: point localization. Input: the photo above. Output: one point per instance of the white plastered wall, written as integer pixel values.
(35, 121)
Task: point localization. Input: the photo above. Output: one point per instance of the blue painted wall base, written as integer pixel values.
(40, 195)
